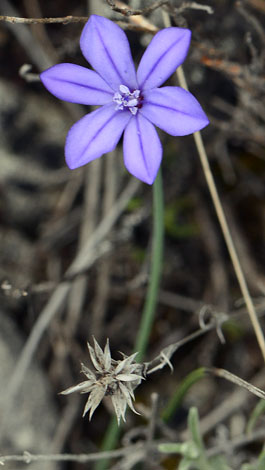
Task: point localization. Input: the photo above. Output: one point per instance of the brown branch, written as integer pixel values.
(62, 20)
(71, 19)
(120, 7)
(126, 11)
(81, 19)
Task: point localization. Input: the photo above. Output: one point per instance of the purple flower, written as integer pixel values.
(130, 102)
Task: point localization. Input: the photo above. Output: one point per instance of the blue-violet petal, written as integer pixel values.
(106, 48)
(165, 53)
(94, 134)
(76, 84)
(174, 110)
(142, 149)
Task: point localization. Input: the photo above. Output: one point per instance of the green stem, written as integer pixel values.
(156, 269)
(109, 442)
(113, 431)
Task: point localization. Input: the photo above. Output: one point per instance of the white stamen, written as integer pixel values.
(134, 110)
(127, 99)
(124, 89)
(132, 102)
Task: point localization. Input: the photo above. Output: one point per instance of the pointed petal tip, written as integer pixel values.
(42, 76)
(166, 52)
(174, 110)
(150, 180)
(105, 46)
(142, 149)
(71, 163)
(146, 179)
(93, 20)
(96, 18)
(205, 122)
(201, 123)
(76, 84)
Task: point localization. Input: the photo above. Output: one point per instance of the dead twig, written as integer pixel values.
(61, 19)
(88, 225)
(224, 374)
(229, 446)
(123, 9)
(104, 272)
(194, 6)
(25, 73)
(251, 19)
(28, 457)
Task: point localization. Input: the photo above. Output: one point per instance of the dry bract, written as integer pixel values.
(117, 379)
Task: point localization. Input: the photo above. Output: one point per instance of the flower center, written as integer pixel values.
(127, 99)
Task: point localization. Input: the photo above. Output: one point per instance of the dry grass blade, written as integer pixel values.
(236, 380)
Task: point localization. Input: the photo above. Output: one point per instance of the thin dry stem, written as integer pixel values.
(233, 402)
(195, 6)
(229, 446)
(89, 221)
(123, 9)
(222, 220)
(62, 19)
(217, 319)
(104, 271)
(115, 6)
(226, 232)
(28, 457)
(225, 374)
(163, 358)
(228, 238)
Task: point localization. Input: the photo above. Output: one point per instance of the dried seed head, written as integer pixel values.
(116, 379)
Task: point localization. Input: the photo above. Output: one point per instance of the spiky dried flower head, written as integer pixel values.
(116, 379)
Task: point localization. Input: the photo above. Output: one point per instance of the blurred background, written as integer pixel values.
(47, 214)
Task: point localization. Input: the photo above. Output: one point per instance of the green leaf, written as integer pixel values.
(187, 449)
(174, 448)
(193, 424)
(187, 464)
(219, 463)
